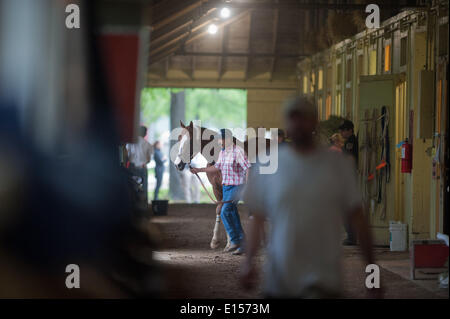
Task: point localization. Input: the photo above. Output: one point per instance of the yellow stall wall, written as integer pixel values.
(419, 227)
(377, 91)
(265, 107)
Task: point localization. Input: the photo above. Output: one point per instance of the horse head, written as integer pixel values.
(185, 152)
(195, 139)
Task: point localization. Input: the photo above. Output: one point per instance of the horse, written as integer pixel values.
(205, 137)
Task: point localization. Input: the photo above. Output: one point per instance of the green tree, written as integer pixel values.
(217, 107)
(155, 103)
(214, 107)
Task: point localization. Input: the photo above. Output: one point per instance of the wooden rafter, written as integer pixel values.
(182, 34)
(204, 31)
(182, 27)
(313, 4)
(194, 36)
(168, 11)
(221, 69)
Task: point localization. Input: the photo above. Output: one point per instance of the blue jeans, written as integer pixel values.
(159, 173)
(229, 213)
(142, 173)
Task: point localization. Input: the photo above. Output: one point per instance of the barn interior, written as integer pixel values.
(72, 99)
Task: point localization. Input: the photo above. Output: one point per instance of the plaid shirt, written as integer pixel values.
(233, 164)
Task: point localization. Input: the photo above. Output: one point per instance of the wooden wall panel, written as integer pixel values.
(265, 107)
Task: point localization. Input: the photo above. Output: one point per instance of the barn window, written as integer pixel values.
(339, 73)
(387, 58)
(361, 65)
(373, 62)
(328, 107)
(320, 80)
(403, 50)
(348, 76)
(329, 78)
(348, 101)
(305, 84)
(338, 104)
(319, 108)
(443, 38)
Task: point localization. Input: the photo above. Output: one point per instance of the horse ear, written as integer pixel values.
(191, 124)
(182, 124)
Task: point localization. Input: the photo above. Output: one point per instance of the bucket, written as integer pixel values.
(160, 207)
(397, 240)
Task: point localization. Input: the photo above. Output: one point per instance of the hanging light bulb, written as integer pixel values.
(225, 13)
(212, 29)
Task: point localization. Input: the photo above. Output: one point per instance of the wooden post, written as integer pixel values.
(177, 113)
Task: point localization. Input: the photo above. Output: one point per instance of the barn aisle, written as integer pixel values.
(197, 270)
(200, 272)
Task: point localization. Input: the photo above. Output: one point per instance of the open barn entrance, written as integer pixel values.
(162, 109)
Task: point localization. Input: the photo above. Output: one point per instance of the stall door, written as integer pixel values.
(380, 191)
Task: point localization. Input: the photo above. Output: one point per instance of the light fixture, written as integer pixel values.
(212, 29)
(225, 13)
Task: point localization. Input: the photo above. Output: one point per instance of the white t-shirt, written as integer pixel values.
(140, 153)
(305, 201)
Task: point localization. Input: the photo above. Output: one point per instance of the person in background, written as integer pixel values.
(234, 166)
(139, 155)
(350, 148)
(305, 201)
(337, 142)
(351, 141)
(159, 167)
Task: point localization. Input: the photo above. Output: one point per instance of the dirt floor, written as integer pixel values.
(196, 271)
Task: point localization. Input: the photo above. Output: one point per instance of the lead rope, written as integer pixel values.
(209, 195)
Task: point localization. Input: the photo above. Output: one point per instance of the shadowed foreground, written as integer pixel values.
(199, 272)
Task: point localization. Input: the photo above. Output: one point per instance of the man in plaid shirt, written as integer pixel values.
(233, 165)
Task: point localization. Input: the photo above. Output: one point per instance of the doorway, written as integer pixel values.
(213, 108)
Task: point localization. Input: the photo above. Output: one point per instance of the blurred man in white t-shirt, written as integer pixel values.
(306, 202)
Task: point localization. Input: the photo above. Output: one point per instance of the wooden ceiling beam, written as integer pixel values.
(202, 32)
(224, 49)
(180, 37)
(174, 28)
(296, 5)
(179, 33)
(224, 23)
(168, 11)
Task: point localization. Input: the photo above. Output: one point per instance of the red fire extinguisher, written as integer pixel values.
(406, 157)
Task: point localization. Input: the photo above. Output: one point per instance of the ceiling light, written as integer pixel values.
(212, 29)
(225, 13)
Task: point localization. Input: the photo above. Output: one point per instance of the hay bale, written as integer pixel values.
(338, 30)
(359, 19)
